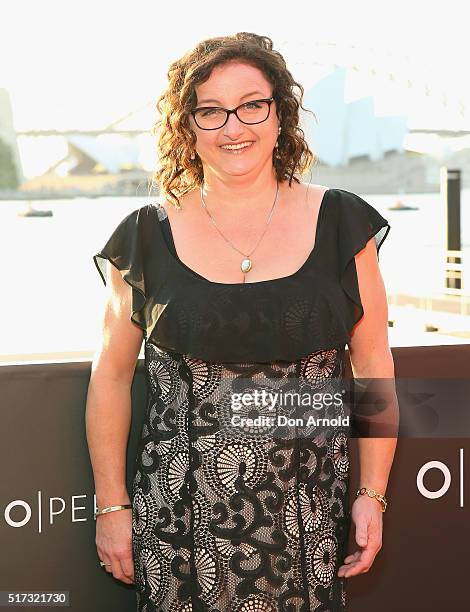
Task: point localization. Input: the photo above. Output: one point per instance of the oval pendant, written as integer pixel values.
(246, 265)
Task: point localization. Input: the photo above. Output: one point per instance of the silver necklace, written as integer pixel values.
(246, 263)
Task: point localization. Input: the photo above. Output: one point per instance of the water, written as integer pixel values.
(54, 297)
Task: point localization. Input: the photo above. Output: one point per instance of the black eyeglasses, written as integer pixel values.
(215, 117)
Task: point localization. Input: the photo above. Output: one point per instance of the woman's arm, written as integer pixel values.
(108, 418)
(108, 407)
(371, 358)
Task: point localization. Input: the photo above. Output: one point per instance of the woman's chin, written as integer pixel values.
(237, 169)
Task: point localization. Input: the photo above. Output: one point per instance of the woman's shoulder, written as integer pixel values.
(140, 218)
(309, 196)
(350, 205)
(349, 217)
(344, 204)
(310, 191)
(166, 209)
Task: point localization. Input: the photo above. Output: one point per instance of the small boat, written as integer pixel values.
(32, 212)
(400, 206)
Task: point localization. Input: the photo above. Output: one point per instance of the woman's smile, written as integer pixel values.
(237, 149)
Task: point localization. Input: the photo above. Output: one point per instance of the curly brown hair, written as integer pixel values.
(178, 173)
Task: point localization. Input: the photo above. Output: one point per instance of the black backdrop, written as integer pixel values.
(47, 496)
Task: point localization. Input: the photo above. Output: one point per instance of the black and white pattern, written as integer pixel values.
(227, 519)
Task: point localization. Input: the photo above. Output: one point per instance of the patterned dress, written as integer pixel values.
(241, 506)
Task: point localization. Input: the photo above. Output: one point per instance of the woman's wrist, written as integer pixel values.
(114, 508)
(373, 494)
(112, 497)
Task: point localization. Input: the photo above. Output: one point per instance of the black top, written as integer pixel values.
(285, 318)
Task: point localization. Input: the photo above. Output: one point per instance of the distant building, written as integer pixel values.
(348, 131)
(105, 164)
(107, 153)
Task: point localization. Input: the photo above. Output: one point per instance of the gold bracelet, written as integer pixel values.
(372, 493)
(112, 509)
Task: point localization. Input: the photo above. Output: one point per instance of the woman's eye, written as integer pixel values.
(252, 105)
(209, 112)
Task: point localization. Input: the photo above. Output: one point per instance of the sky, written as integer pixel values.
(82, 64)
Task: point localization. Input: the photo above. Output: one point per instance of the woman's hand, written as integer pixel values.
(114, 543)
(367, 517)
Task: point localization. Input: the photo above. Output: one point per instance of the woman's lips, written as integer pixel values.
(237, 151)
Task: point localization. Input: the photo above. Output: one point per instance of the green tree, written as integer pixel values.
(8, 173)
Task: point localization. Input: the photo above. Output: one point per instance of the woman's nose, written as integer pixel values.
(234, 127)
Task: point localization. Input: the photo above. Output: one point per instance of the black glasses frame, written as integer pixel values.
(228, 112)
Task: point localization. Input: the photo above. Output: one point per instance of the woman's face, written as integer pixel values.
(228, 87)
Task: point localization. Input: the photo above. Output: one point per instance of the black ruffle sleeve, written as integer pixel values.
(124, 250)
(358, 223)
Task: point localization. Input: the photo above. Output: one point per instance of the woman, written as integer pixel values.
(243, 278)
